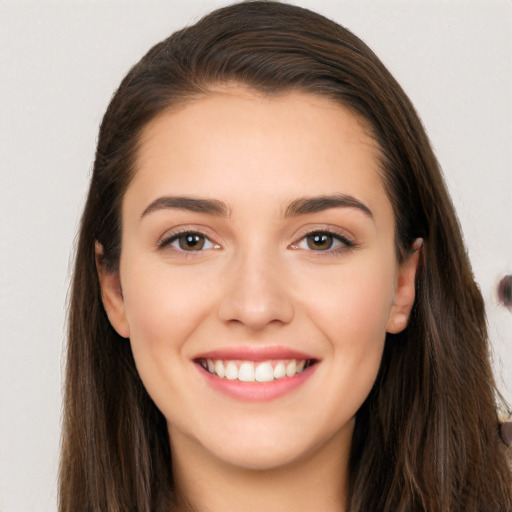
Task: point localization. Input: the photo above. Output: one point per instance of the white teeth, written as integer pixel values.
(231, 371)
(219, 369)
(249, 371)
(264, 372)
(246, 372)
(291, 369)
(279, 371)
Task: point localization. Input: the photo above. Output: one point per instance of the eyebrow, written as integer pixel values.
(301, 206)
(192, 204)
(315, 204)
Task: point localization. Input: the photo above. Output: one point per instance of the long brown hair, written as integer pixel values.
(426, 438)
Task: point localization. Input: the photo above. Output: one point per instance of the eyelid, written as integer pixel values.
(345, 239)
(337, 233)
(173, 234)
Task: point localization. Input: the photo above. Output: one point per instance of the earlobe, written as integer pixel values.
(405, 291)
(111, 294)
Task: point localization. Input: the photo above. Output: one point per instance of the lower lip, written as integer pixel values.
(257, 391)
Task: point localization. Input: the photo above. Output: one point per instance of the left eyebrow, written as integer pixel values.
(315, 204)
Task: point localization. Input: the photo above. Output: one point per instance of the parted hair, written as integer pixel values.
(426, 438)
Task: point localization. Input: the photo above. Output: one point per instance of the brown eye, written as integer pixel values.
(188, 241)
(320, 241)
(191, 241)
(324, 241)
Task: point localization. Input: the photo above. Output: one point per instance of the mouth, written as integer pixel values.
(255, 371)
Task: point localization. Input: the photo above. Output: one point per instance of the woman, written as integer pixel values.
(272, 307)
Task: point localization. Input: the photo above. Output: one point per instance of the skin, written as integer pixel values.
(257, 282)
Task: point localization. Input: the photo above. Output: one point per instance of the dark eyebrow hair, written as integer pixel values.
(193, 204)
(305, 205)
(218, 208)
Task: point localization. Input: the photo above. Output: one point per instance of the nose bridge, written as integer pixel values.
(256, 293)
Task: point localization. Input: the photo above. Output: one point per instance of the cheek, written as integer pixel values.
(163, 310)
(354, 301)
(352, 312)
(158, 300)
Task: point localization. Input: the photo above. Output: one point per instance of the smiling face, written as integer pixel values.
(258, 275)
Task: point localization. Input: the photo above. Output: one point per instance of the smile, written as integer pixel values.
(251, 371)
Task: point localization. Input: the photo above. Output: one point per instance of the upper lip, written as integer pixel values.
(254, 353)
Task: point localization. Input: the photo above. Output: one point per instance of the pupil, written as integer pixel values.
(192, 242)
(320, 241)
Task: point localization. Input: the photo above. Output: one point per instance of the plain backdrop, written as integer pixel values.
(60, 63)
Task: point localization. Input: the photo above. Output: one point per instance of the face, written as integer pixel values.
(258, 276)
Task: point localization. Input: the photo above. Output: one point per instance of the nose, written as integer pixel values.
(257, 294)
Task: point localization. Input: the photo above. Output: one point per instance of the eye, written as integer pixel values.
(189, 241)
(323, 241)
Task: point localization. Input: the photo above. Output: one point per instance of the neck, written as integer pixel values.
(315, 482)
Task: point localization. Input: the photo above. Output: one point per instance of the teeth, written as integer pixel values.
(264, 372)
(291, 369)
(219, 369)
(279, 371)
(231, 371)
(249, 371)
(246, 372)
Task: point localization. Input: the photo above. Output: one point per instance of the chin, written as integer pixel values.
(254, 446)
(260, 458)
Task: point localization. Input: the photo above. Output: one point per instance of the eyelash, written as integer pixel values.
(168, 241)
(346, 244)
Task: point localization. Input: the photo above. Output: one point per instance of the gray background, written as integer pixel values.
(60, 63)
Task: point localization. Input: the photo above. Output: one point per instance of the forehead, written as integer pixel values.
(237, 142)
(232, 106)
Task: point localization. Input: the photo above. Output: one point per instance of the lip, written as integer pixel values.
(255, 391)
(256, 354)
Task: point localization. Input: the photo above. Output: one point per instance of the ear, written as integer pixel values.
(405, 291)
(111, 294)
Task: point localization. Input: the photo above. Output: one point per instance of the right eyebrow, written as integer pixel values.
(192, 204)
